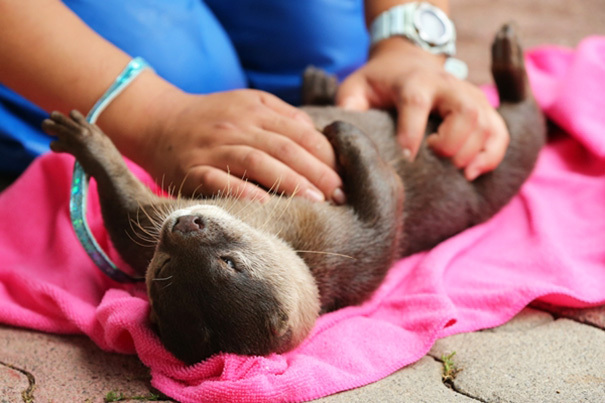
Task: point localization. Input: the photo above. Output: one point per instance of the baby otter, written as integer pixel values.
(228, 275)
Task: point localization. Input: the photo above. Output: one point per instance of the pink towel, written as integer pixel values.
(548, 243)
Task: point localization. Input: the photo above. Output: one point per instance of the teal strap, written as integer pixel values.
(79, 184)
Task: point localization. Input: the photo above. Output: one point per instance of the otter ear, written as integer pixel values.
(278, 324)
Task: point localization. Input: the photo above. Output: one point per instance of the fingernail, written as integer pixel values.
(431, 139)
(472, 173)
(314, 195)
(338, 196)
(260, 196)
(264, 198)
(407, 154)
(353, 103)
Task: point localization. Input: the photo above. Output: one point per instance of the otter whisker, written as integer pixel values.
(179, 195)
(152, 220)
(152, 237)
(228, 190)
(162, 279)
(193, 194)
(144, 234)
(233, 201)
(141, 231)
(173, 192)
(326, 253)
(160, 211)
(275, 185)
(162, 182)
(240, 192)
(223, 196)
(271, 215)
(283, 211)
(149, 243)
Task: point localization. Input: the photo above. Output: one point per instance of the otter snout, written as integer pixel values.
(189, 223)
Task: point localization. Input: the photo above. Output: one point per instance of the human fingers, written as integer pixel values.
(284, 108)
(475, 142)
(414, 102)
(462, 108)
(353, 93)
(493, 151)
(302, 138)
(210, 181)
(472, 133)
(305, 151)
(459, 136)
(279, 119)
(260, 167)
(297, 159)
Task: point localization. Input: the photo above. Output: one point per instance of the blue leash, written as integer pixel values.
(79, 183)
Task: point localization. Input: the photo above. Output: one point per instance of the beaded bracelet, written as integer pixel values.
(79, 184)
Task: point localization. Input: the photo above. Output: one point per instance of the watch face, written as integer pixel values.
(432, 25)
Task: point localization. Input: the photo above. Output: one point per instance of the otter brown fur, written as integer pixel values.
(228, 275)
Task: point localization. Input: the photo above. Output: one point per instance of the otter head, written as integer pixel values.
(218, 285)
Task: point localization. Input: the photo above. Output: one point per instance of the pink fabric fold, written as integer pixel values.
(548, 243)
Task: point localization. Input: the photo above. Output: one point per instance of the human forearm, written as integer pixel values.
(55, 60)
(59, 63)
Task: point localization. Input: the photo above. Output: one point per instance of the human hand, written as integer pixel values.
(400, 74)
(231, 141)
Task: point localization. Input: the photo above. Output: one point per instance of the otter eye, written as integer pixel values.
(162, 266)
(229, 262)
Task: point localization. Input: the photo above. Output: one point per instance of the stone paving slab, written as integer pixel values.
(532, 358)
(12, 384)
(419, 382)
(65, 369)
(590, 316)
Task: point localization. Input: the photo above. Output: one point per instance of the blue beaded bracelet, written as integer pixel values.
(79, 184)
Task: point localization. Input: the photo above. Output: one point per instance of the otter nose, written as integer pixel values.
(188, 223)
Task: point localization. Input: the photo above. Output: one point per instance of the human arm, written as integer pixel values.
(59, 63)
(401, 74)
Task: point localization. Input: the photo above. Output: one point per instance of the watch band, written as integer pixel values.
(406, 20)
(402, 20)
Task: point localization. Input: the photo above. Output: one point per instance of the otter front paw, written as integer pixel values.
(85, 141)
(372, 186)
(73, 133)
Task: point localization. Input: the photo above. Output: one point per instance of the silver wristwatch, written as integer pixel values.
(424, 25)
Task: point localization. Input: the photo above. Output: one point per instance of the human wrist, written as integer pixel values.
(406, 50)
(423, 24)
(133, 120)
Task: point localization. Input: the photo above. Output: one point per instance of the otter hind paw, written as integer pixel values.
(508, 67)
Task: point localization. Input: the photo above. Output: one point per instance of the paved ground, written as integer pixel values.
(545, 354)
(536, 357)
